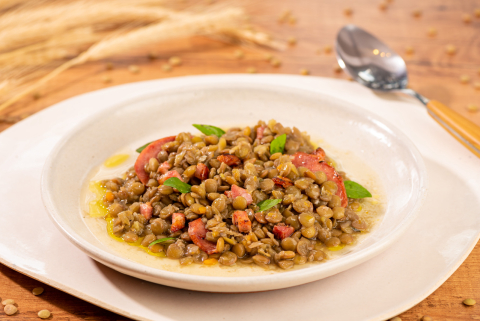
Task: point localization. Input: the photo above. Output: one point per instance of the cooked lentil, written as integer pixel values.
(219, 219)
(8, 301)
(469, 302)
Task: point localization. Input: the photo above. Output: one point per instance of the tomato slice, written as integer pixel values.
(151, 151)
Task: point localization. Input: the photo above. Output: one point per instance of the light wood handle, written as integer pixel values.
(461, 128)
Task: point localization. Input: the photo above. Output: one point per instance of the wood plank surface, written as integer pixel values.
(432, 72)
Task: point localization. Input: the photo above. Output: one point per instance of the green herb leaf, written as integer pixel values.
(140, 149)
(209, 130)
(267, 204)
(355, 190)
(178, 184)
(278, 144)
(161, 240)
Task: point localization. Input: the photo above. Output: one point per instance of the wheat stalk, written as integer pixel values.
(90, 16)
(195, 24)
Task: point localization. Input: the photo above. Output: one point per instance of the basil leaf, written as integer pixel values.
(178, 184)
(266, 204)
(278, 144)
(355, 190)
(161, 240)
(209, 130)
(140, 149)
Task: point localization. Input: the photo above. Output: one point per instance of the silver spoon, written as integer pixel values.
(373, 64)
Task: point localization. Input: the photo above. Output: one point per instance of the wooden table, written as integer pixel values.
(432, 72)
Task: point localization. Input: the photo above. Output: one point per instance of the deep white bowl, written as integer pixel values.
(350, 129)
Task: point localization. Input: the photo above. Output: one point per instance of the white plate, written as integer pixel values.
(422, 259)
(362, 140)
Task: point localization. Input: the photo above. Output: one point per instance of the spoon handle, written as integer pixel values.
(461, 128)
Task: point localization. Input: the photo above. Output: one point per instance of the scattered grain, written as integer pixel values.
(175, 61)
(417, 13)
(476, 12)
(383, 5)
(152, 55)
(464, 79)
(396, 319)
(476, 85)
(473, 109)
(469, 301)
(166, 67)
(44, 314)
(451, 49)
(467, 18)
(348, 11)
(107, 79)
(252, 70)
(239, 54)
(427, 318)
(37, 291)
(8, 301)
(275, 62)
(268, 57)
(292, 20)
(36, 95)
(10, 309)
(304, 72)
(328, 49)
(109, 66)
(409, 50)
(431, 32)
(134, 69)
(292, 41)
(284, 16)
(337, 68)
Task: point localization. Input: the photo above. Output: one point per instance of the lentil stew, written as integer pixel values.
(260, 195)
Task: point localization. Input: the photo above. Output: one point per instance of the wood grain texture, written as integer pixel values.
(432, 72)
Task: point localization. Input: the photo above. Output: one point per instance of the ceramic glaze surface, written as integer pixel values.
(412, 268)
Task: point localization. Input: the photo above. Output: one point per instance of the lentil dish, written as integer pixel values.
(259, 195)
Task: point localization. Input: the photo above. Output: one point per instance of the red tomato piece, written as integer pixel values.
(178, 222)
(198, 232)
(309, 161)
(168, 175)
(164, 167)
(282, 231)
(240, 219)
(146, 210)
(151, 151)
(202, 171)
(238, 191)
(282, 181)
(230, 160)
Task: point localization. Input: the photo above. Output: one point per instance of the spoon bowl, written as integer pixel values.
(375, 65)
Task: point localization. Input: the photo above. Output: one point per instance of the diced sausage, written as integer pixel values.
(282, 231)
(164, 167)
(260, 131)
(202, 171)
(168, 175)
(178, 222)
(146, 210)
(151, 151)
(240, 219)
(238, 191)
(230, 160)
(282, 181)
(197, 233)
